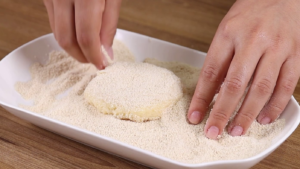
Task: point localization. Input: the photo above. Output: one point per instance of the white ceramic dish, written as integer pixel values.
(15, 67)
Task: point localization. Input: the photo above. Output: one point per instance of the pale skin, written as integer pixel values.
(256, 39)
(81, 27)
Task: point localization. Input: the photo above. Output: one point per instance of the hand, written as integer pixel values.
(259, 39)
(81, 27)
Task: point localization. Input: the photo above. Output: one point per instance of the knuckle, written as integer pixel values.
(220, 115)
(288, 85)
(259, 36)
(234, 84)
(264, 86)
(200, 100)
(273, 107)
(277, 44)
(210, 73)
(65, 42)
(247, 116)
(84, 39)
(277, 39)
(227, 28)
(256, 32)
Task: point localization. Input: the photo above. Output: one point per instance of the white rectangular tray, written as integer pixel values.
(15, 67)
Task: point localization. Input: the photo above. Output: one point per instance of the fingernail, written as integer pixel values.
(100, 67)
(104, 59)
(236, 131)
(212, 132)
(265, 120)
(105, 62)
(109, 51)
(195, 117)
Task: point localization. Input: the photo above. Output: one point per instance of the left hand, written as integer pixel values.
(259, 39)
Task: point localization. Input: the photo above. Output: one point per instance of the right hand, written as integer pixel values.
(81, 27)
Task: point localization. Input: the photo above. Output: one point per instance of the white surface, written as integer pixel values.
(15, 67)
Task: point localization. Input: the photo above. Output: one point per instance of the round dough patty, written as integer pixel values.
(134, 91)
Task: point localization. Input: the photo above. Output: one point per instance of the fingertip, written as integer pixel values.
(265, 120)
(109, 51)
(264, 117)
(195, 117)
(99, 66)
(236, 131)
(99, 62)
(212, 132)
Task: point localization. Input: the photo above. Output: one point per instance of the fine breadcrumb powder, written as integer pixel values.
(57, 87)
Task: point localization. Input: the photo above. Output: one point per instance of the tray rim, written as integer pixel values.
(165, 159)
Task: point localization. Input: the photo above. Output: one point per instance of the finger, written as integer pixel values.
(212, 75)
(109, 24)
(262, 87)
(50, 11)
(286, 83)
(65, 28)
(88, 18)
(237, 79)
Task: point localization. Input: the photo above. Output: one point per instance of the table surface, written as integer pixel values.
(188, 23)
